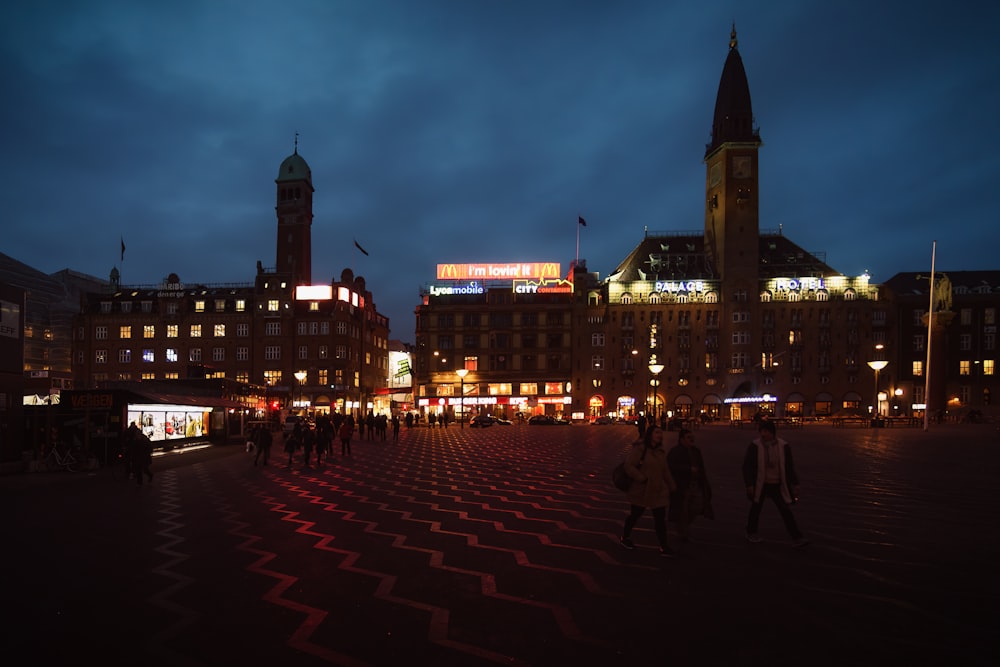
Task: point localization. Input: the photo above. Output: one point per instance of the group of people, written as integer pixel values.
(674, 484)
(318, 441)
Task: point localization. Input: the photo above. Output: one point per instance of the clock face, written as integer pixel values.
(741, 166)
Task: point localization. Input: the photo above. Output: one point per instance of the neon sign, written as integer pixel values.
(679, 286)
(543, 286)
(472, 288)
(521, 270)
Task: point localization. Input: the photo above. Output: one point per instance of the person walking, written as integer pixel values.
(308, 443)
(769, 472)
(292, 441)
(140, 454)
(646, 464)
(324, 438)
(262, 442)
(693, 497)
(345, 433)
(395, 427)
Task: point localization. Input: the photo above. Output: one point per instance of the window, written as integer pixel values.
(965, 342)
(963, 367)
(324, 329)
(194, 354)
(172, 330)
(241, 305)
(272, 329)
(218, 354)
(596, 340)
(795, 337)
(711, 362)
(126, 306)
(878, 317)
(918, 343)
(148, 355)
(965, 315)
(324, 352)
(220, 305)
(242, 353)
(303, 351)
(597, 362)
(989, 316)
(172, 308)
(340, 351)
(989, 341)
(741, 316)
(243, 330)
(124, 356)
(272, 352)
(124, 332)
(988, 366)
(741, 338)
(195, 331)
(739, 360)
(171, 354)
(301, 328)
(105, 307)
(712, 318)
(272, 377)
(918, 318)
(220, 330)
(917, 368)
(149, 331)
(341, 328)
(273, 305)
(100, 333)
(740, 295)
(199, 306)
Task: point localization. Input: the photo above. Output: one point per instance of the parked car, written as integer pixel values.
(501, 421)
(482, 421)
(603, 419)
(547, 420)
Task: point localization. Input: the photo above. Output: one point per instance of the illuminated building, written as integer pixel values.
(509, 325)
(259, 333)
(743, 320)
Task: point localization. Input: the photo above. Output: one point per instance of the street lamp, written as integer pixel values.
(301, 377)
(462, 372)
(876, 366)
(655, 369)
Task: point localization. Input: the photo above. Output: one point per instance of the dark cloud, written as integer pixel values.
(442, 131)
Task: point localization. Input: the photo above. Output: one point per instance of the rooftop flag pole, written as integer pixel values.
(930, 322)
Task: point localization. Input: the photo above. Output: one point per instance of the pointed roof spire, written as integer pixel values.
(296, 151)
(732, 37)
(733, 121)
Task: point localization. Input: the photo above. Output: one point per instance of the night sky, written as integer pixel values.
(479, 130)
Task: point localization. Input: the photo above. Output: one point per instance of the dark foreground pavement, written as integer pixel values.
(500, 546)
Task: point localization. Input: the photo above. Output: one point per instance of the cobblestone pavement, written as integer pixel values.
(500, 546)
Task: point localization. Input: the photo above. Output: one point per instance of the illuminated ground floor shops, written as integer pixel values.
(712, 407)
(514, 408)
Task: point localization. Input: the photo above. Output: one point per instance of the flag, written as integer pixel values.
(583, 222)
(358, 246)
(123, 249)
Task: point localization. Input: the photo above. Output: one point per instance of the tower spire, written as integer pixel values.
(296, 151)
(732, 37)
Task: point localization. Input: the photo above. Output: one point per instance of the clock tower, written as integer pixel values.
(295, 214)
(731, 213)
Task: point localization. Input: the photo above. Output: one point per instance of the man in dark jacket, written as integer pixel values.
(769, 472)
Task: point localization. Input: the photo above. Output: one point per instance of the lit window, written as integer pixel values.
(220, 305)
(241, 305)
(988, 366)
(149, 331)
(220, 330)
(199, 306)
(273, 305)
(171, 354)
(172, 330)
(194, 354)
(125, 331)
(918, 368)
(148, 355)
(195, 331)
(964, 367)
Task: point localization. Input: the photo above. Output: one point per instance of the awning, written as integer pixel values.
(188, 399)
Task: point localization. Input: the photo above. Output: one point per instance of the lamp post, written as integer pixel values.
(462, 372)
(301, 377)
(877, 366)
(655, 369)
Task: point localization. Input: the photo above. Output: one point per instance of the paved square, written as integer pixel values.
(499, 546)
